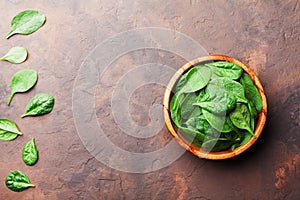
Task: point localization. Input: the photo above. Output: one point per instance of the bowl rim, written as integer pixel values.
(197, 151)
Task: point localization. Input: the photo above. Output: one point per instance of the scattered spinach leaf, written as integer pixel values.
(186, 106)
(40, 104)
(17, 181)
(30, 153)
(8, 130)
(15, 55)
(22, 81)
(26, 22)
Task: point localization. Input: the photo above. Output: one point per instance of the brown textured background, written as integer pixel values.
(263, 34)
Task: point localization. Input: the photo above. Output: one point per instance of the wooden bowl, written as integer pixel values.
(197, 150)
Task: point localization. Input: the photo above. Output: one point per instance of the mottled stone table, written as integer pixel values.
(263, 34)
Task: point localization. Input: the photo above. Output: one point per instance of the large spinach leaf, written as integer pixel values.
(226, 69)
(30, 153)
(216, 121)
(196, 79)
(251, 92)
(186, 106)
(26, 22)
(8, 130)
(15, 55)
(241, 118)
(22, 81)
(17, 181)
(40, 104)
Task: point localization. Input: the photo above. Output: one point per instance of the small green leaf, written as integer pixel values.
(226, 69)
(22, 81)
(196, 79)
(40, 104)
(186, 106)
(26, 22)
(193, 136)
(8, 130)
(216, 121)
(175, 109)
(15, 55)
(17, 181)
(251, 92)
(240, 117)
(30, 153)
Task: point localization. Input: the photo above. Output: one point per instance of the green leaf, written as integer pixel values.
(223, 94)
(217, 144)
(26, 22)
(40, 104)
(175, 109)
(226, 69)
(15, 55)
(216, 121)
(200, 124)
(186, 106)
(30, 153)
(240, 117)
(251, 92)
(227, 125)
(196, 79)
(193, 136)
(22, 81)
(17, 181)
(8, 130)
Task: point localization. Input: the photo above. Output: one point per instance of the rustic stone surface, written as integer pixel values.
(263, 34)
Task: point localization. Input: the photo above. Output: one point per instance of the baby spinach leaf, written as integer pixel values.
(203, 96)
(26, 22)
(196, 79)
(224, 86)
(15, 55)
(186, 106)
(193, 136)
(217, 122)
(252, 109)
(8, 130)
(216, 144)
(218, 107)
(22, 81)
(240, 117)
(226, 69)
(227, 126)
(40, 104)
(251, 92)
(181, 81)
(17, 181)
(216, 98)
(175, 110)
(30, 153)
(244, 137)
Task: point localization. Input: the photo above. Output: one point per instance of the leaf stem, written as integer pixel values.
(9, 34)
(10, 98)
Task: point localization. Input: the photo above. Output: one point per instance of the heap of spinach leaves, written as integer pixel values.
(215, 106)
